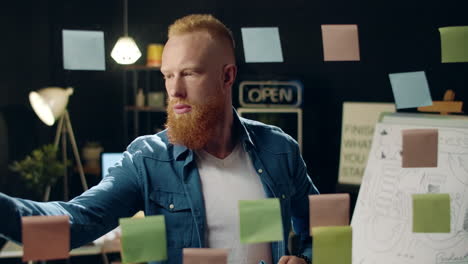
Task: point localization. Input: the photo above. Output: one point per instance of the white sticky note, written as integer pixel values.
(83, 50)
(262, 44)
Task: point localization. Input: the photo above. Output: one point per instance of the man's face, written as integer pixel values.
(196, 98)
(191, 68)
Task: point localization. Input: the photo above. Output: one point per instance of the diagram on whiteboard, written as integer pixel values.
(382, 220)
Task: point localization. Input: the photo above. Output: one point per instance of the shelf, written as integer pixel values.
(144, 108)
(146, 119)
(141, 68)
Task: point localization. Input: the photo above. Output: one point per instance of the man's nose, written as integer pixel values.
(176, 88)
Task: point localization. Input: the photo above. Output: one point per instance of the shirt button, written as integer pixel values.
(260, 170)
(283, 196)
(171, 206)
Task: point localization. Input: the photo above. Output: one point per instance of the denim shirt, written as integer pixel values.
(162, 179)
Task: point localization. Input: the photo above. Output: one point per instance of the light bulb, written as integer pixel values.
(125, 51)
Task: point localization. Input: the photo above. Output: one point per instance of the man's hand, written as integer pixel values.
(291, 260)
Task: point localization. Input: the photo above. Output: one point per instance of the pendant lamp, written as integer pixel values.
(125, 50)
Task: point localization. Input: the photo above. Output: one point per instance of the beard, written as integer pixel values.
(195, 128)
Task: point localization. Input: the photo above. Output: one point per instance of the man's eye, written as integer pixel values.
(187, 73)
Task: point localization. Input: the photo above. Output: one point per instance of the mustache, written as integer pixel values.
(173, 102)
(176, 100)
(179, 101)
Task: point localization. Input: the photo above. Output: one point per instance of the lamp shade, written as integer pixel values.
(125, 51)
(50, 103)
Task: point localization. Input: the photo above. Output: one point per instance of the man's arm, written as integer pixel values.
(92, 214)
(300, 203)
(9, 227)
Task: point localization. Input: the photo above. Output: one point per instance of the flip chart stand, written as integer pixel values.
(445, 107)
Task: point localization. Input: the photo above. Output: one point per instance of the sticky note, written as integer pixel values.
(83, 50)
(332, 245)
(419, 148)
(143, 239)
(260, 221)
(329, 210)
(454, 44)
(431, 213)
(262, 44)
(410, 89)
(45, 237)
(205, 256)
(340, 43)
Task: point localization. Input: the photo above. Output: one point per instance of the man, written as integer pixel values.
(196, 171)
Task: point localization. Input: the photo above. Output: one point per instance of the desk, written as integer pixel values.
(12, 250)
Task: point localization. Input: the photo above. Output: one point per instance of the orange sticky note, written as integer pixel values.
(205, 256)
(420, 148)
(329, 210)
(45, 237)
(340, 43)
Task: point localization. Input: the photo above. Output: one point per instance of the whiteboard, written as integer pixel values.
(382, 219)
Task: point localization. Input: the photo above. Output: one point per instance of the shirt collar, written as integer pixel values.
(244, 135)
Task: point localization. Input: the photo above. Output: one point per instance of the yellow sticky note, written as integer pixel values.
(260, 221)
(454, 44)
(332, 245)
(431, 213)
(143, 239)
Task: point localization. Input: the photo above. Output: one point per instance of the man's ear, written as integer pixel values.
(229, 75)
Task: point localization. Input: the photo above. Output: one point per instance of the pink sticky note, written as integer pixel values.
(340, 43)
(420, 148)
(205, 256)
(45, 237)
(329, 210)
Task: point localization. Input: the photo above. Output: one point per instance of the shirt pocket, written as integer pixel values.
(178, 216)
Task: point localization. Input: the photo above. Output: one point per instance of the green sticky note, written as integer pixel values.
(454, 43)
(143, 239)
(260, 221)
(431, 213)
(332, 245)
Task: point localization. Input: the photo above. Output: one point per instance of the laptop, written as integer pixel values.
(109, 159)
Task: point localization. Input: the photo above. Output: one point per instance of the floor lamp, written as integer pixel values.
(50, 105)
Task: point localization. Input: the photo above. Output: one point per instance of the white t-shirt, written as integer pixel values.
(225, 182)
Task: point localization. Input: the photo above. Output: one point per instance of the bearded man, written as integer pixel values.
(195, 172)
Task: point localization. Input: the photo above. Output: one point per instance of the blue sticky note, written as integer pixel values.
(83, 50)
(262, 44)
(410, 89)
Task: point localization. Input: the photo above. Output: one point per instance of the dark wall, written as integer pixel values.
(395, 36)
